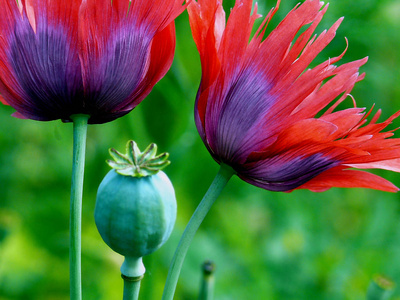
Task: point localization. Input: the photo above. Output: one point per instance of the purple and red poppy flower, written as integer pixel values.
(262, 112)
(101, 58)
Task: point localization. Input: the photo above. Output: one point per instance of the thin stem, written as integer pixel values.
(131, 288)
(132, 272)
(75, 222)
(220, 180)
(207, 282)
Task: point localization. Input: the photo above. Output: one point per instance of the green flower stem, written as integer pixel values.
(207, 282)
(131, 288)
(220, 180)
(132, 272)
(75, 222)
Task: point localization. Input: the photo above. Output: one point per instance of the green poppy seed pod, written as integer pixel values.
(136, 206)
(135, 216)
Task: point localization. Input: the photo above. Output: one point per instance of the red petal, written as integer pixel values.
(236, 37)
(338, 177)
(207, 22)
(2, 100)
(391, 165)
(155, 14)
(345, 120)
(58, 13)
(161, 53)
(274, 49)
(8, 13)
(343, 81)
(18, 115)
(310, 131)
(160, 60)
(308, 49)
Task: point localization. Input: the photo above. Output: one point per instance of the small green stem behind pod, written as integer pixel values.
(207, 281)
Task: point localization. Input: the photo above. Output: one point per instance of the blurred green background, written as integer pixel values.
(298, 245)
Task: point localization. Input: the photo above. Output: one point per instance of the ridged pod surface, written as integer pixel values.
(135, 216)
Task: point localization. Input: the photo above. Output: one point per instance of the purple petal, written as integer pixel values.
(247, 100)
(285, 173)
(47, 69)
(112, 78)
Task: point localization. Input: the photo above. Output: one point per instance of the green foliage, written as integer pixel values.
(300, 245)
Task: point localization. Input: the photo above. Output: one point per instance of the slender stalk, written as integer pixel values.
(75, 222)
(207, 282)
(131, 288)
(132, 272)
(220, 180)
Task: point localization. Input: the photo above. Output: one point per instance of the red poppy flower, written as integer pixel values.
(59, 58)
(259, 110)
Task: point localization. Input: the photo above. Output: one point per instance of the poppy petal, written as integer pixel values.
(41, 60)
(339, 177)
